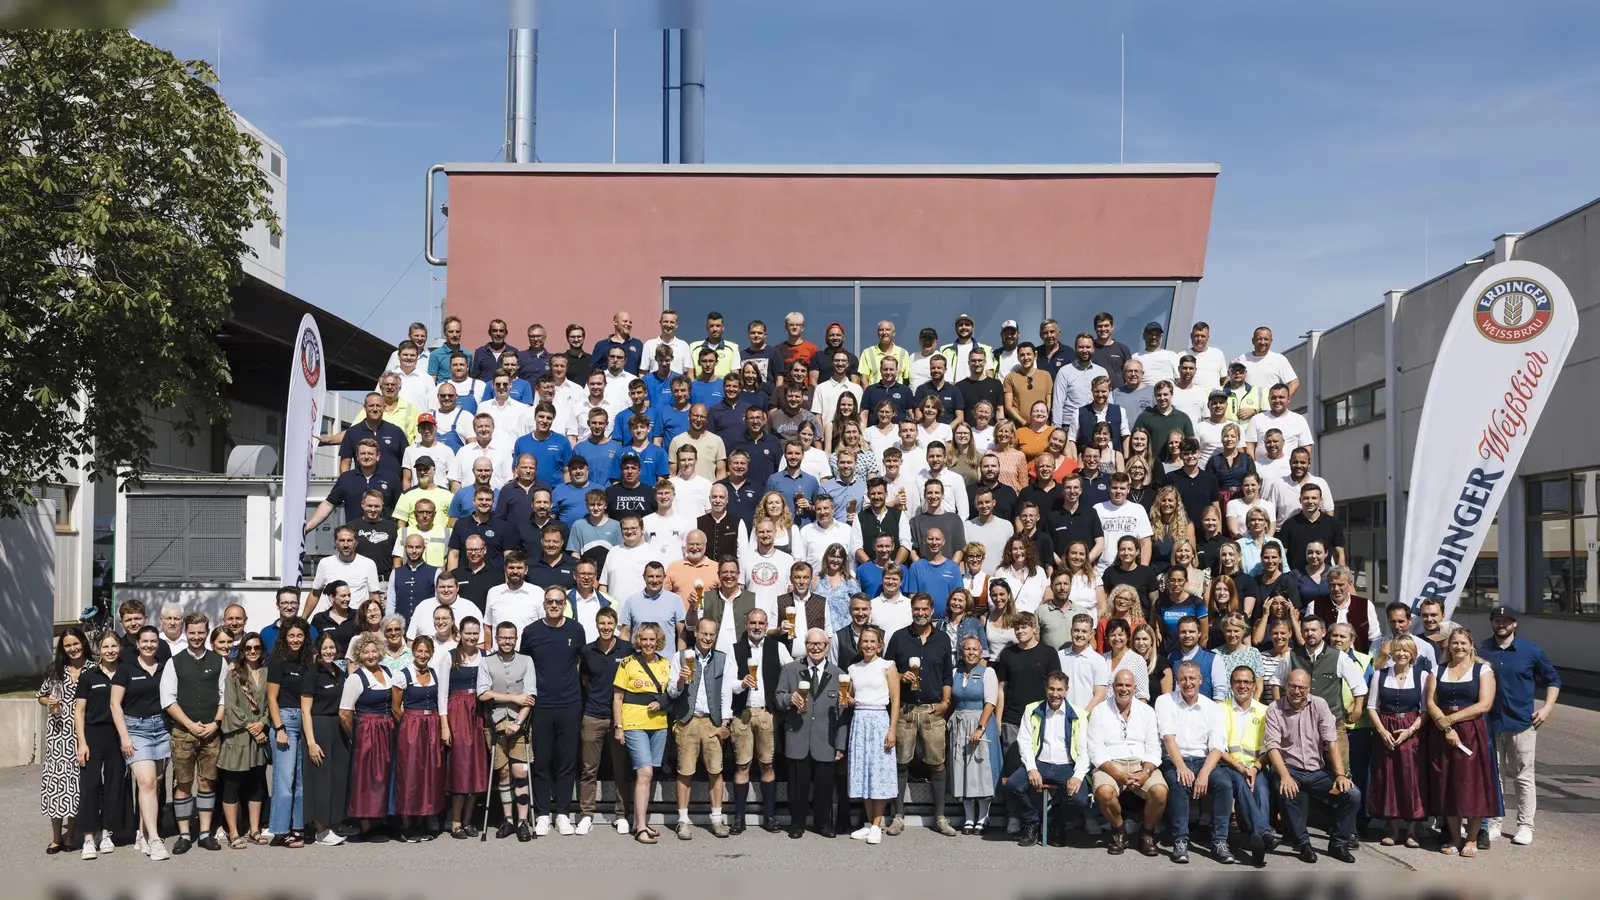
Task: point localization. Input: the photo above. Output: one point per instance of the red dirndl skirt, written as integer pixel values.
(1462, 785)
(1396, 785)
(467, 764)
(419, 764)
(372, 755)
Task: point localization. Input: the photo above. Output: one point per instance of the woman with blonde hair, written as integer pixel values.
(1395, 785)
(1258, 534)
(1172, 451)
(852, 441)
(1232, 653)
(875, 704)
(1122, 603)
(772, 508)
(1141, 489)
(366, 714)
(1013, 462)
(1168, 525)
(1463, 781)
(1183, 554)
(884, 432)
(639, 709)
(983, 426)
(1147, 646)
(1064, 454)
(1230, 464)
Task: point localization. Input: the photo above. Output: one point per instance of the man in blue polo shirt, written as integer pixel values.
(790, 481)
(743, 490)
(727, 419)
(598, 449)
(934, 573)
(391, 438)
(889, 388)
(353, 484)
(763, 451)
(555, 644)
(1519, 664)
(707, 387)
(622, 337)
(550, 451)
(570, 505)
(950, 397)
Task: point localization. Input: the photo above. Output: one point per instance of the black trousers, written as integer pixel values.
(100, 783)
(810, 785)
(557, 741)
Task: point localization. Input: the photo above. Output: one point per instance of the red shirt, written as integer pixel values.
(804, 351)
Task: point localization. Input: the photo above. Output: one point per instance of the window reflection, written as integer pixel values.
(914, 307)
(742, 303)
(1131, 306)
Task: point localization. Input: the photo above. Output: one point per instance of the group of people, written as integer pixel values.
(1081, 577)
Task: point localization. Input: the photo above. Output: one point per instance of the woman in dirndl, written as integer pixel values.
(875, 699)
(58, 784)
(1395, 785)
(466, 773)
(973, 735)
(1461, 786)
(421, 708)
(366, 711)
(325, 747)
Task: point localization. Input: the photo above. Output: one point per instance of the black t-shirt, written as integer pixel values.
(141, 696)
(1197, 492)
(375, 541)
(325, 685)
(1297, 531)
(1047, 501)
(1142, 579)
(1023, 672)
(974, 392)
(1285, 586)
(351, 485)
(343, 632)
(1005, 499)
(475, 586)
(1205, 550)
(94, 689)
(1083, 525)
(556, 652)
(287, 675)
(130, 649)
(622, 500)
(544, 575)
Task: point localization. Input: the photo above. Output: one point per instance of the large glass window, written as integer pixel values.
(1366, 528)
(1131, 307)
(1482, 588)
(742, 303)
(914, 307)
(1355, 408)
(1561, 536)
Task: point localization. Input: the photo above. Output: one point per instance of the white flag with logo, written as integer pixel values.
(301, 421)
(1495, 370)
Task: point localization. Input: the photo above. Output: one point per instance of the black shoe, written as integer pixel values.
(1180, 851)
(1223, 855)
(796, 834)
(1307, 853)
(472, 830)
(1057, 837)
(1258, 851)
(460, 833)
(360, 837)
(427, 835)
(736, 826)
(770, 825)
(182, 846)
(377, 836)
(524, 832)
(1340, 852)
(1271, 840)
(506, 829)
(1030, 836)
(828, 832)
(209, 841)
(408, 836)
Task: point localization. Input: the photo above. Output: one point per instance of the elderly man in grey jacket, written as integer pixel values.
(816, 731)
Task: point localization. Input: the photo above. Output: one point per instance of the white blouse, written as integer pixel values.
(870, 684)
(1027, 592)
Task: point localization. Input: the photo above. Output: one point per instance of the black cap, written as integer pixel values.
(1502, 612)
(929, 334)
(423, 462)
(630, 458)
(1217, 395)
(1154, 326)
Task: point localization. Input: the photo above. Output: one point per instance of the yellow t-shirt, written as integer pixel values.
(631, 677)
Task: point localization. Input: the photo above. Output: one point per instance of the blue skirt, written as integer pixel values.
(872, 768)
(152, 741)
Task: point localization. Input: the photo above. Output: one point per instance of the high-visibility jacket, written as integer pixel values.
(1364, 660)
(1246, 732)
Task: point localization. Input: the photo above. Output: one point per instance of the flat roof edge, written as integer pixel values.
(973, 171)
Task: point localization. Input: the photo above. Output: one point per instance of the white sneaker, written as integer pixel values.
(1013, 825)
(142, 845)
(862, 833)
(329, 838)
(1523, 837)
(158, 850)
(106, 844)
(1491, 830)
(622, 826)
(541, 826)
(89, 851)
(563, 824)
(585, 825)
(267, 835)
(875, 836)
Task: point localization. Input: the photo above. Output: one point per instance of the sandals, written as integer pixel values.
(238, 842)
(1388, 841)
(644, 837)
(1470, 850)
(256, 837)
(1413, 844)
(290, 840)
(1450, 850)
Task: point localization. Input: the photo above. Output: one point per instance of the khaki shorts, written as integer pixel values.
(697, 740)
(754, 737)
(918, 725)
(511, 747)
(193, 757)
(1103, 779)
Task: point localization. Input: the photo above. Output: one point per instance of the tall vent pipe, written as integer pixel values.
(691, 95)
(522, 79)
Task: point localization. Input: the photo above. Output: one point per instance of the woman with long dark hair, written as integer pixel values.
(286, 670)
(1463, 779)
(369, 620)
(142, 730)
(466, 772)
(58, 784)
(421, 708)
(101, 767)
(997, 631)
(325, 759)
(242, 759)
(1019, 566)
(846, 410)
(366, 712)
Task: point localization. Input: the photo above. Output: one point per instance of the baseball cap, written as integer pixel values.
(1154, 326)
(1009, 324)
(1217, 395)
(630, 458)
(1502, 612)
(423, 462)
(964, 318)
(1237, 366)
(929, 334)
(428, 418)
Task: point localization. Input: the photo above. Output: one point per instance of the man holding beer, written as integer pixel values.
(702, 707)
(815, 734)
(754, 705)
(921, 654)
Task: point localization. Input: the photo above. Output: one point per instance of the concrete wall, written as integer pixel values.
(257, 600)
(27, 590)
(555, 244)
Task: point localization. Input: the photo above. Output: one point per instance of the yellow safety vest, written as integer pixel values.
(1364, 660)
(1245, 733)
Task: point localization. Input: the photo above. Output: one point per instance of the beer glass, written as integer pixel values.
(915, 663)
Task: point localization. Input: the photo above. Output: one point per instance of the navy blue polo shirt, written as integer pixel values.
(949, 396)
(727, 422)
(602, 348)
(514, 504)
(766, 457)
(742, 499)
(486, 359)
(933, 657)
(408, 587)
(1197, 492)
(550, 455)
(497, 535)
(392, 443)
(544, 575)
(1053, 362)
(349, 486)
(555, 652)
(898, 394)
(599, 670)
(532, 363)
(1517, 671)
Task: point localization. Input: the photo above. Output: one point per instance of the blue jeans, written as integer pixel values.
(1019, 795)
(1255, 806)
(288, 788)
(1318, 784)
(1178, 795)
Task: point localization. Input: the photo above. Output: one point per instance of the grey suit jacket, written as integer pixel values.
(823, 727)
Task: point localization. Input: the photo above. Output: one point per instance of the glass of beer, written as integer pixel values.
(788, 618)
(698, 595)
(851, 507)
(804, 689)
(915, 664)
(754, 668)
(844, 688)
(688, 660)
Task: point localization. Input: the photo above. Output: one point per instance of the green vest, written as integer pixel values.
(1325, 680)
(198, 696)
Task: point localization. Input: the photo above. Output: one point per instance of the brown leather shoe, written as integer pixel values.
(1147, 844)
(1117, 843)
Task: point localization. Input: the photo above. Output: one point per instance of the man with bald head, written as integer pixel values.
(1124, 753)
(233, 619)
(711, 455)
(1302, 745)
(816, 734)
(697, 568)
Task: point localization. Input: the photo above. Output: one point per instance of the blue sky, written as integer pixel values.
(1345, 131)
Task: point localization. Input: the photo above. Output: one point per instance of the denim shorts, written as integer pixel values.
(152, 742)
(645, 747)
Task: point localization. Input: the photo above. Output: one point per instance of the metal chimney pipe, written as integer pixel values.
(522, 79)
(691, 95)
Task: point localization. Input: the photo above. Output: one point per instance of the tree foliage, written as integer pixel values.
(125, 191)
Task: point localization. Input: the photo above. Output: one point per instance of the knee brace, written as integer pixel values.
(205, 802)
(183, 807)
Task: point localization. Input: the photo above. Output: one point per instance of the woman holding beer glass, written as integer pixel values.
(973, 735)
(639, 707)
(873, 692)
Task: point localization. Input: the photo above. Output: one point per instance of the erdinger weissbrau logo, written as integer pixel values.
(1512, 310)
(310, 358)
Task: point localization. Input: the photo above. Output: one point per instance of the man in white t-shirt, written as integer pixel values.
(1279, 417)
(669, 336)
(1188, 394)
(345, 565)
(826, 397)
(766, 568)
(1208, 428)
(1300, 475)
(955, 487)
(827, 529)
(1265, 366)
(427, 445)
(1118, 517)
(891, 610)
(1160, 364)
(623, 575)
(482, 446)
(1274, 463)
(693, 489)
(445, 593)
(1211, 363)
(666, 528)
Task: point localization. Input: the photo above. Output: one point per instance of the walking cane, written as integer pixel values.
(488, 794)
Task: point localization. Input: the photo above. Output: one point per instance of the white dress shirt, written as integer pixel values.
(422, 617)
(1111, 737)
(169, 680)
(1053, 744)
(1085, 671)
(814, 541)
(702, 706)
(512, 419)
(520, 606)
(758, 697)
(955, 492)
(1199, 728)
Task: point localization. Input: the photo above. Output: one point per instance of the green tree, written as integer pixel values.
(125, 189)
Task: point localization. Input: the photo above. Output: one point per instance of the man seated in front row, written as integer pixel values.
(1051, 743)
(1125, 750)
(1303, 749)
